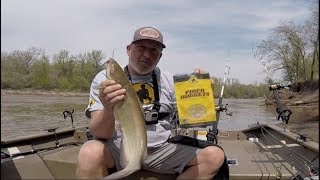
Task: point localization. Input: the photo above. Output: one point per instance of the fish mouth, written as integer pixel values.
(110, 67)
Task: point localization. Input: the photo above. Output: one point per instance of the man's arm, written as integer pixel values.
(102, 123)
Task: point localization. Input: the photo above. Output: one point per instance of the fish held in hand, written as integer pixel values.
(130, 115)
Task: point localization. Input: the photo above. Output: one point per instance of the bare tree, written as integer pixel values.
(312, 33)
(284, 49)
(28, 57)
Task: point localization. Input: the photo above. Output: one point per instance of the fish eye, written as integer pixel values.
(112, 68)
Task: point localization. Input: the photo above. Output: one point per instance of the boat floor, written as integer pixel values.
(247, 160)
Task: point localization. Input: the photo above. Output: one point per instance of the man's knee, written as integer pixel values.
(220, 169)
(215, 155)
(95, 152)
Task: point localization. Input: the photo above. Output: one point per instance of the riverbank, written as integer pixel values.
(43, 92)
(303, 101)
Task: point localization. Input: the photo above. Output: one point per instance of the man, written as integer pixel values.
(97, 156)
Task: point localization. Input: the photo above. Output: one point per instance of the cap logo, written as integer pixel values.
(149, 32)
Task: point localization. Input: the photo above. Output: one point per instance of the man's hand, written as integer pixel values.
(201, 71)
(110, 93)
(102, 122)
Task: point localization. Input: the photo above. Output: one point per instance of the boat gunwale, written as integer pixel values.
(9, 142)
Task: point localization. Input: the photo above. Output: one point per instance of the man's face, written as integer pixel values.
(144, 56)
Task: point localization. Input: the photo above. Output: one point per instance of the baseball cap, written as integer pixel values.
(148, 33)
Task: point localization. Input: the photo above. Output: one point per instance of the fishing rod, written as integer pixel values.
(212, 134)
(292, 153)
(284, 113)
(282, 110)
(293, 158)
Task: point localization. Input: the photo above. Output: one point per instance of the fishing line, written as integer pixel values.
(270, 159)
(258, 154)
(113, 53)
(105, 64)
(288, 149)
(255, 159)
(282, 111)
(278, 173)
(276, 150)
(287, 157)
(278, 160)
(268, 149)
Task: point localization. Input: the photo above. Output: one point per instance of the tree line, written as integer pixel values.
(290, 48)
(293, 49)
(33, 69)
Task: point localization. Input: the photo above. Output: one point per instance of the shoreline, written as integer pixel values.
(43, 92)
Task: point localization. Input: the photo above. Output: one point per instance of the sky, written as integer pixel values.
(198, 34)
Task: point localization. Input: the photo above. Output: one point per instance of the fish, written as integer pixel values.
(130, 115)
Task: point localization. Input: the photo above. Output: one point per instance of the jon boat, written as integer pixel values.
(258, 152)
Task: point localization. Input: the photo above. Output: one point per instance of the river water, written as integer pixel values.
(24, 115)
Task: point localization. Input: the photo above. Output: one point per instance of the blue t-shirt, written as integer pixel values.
(156, 133)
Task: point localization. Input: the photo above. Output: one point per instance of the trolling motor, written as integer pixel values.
(66, 113)
(283, 112)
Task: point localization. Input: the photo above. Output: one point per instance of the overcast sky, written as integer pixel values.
(196, 33)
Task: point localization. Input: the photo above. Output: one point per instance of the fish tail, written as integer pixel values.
(129, 169)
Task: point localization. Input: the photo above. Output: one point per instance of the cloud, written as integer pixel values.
(197, 33)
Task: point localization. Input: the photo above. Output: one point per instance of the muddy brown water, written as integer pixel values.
(24, 115)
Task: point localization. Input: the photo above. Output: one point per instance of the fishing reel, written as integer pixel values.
(283, 112)
(225, 109)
